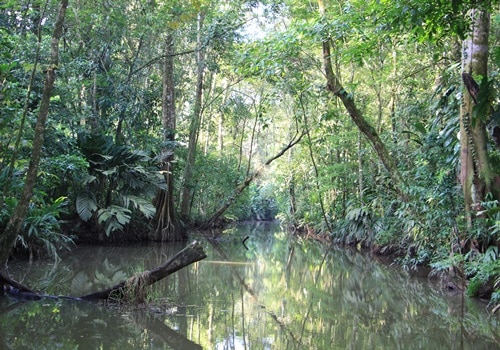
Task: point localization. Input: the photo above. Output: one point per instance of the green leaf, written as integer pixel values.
(421, 128)
(144, 206)
(109, 172)
(86, 205)
(88, 179)
(113, 218)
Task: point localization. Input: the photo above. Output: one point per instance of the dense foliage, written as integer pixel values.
(249, 78)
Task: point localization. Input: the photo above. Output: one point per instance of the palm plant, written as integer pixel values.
(118, 179)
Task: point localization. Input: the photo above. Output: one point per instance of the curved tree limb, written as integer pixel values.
(335, 87)
(248, 180)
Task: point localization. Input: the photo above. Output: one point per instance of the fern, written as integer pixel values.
(451, 261)
(40, 227)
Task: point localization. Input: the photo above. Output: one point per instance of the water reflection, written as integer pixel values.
(280, 293)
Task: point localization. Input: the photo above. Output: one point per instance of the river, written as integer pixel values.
(272, 292)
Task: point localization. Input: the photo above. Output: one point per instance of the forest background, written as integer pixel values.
(370, 123)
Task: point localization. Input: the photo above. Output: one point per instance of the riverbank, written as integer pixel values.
(454, 274)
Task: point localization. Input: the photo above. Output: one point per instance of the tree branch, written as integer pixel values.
(248, 180)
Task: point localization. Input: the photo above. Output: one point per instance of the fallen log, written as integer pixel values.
(7, 283)
(131, 290)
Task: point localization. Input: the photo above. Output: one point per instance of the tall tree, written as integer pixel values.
(15, 223)
(194, 128)
(26, 106)
(476, 174)
(335, 87)
(167, 226)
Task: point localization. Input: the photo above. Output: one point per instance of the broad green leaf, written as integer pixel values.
(86, 205)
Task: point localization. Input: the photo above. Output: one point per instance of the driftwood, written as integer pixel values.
(132, 289)
(134, 286)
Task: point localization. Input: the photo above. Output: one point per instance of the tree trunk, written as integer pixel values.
(167, 227)
(476, 174)
(134, 286)
(26, 107)
(361, 185)
(336, 88)
(15, 223)
(316, 171)
(194, 128)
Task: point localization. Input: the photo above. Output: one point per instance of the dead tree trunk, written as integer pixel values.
(134, 287)
(9, 286)
(130, 290)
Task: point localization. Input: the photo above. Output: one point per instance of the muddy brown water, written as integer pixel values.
(273, 292)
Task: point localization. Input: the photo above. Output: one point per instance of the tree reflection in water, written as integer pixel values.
(281, 293)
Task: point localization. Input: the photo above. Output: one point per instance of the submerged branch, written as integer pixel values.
(18, 290)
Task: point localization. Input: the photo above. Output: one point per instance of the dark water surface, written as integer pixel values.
(281, 293)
